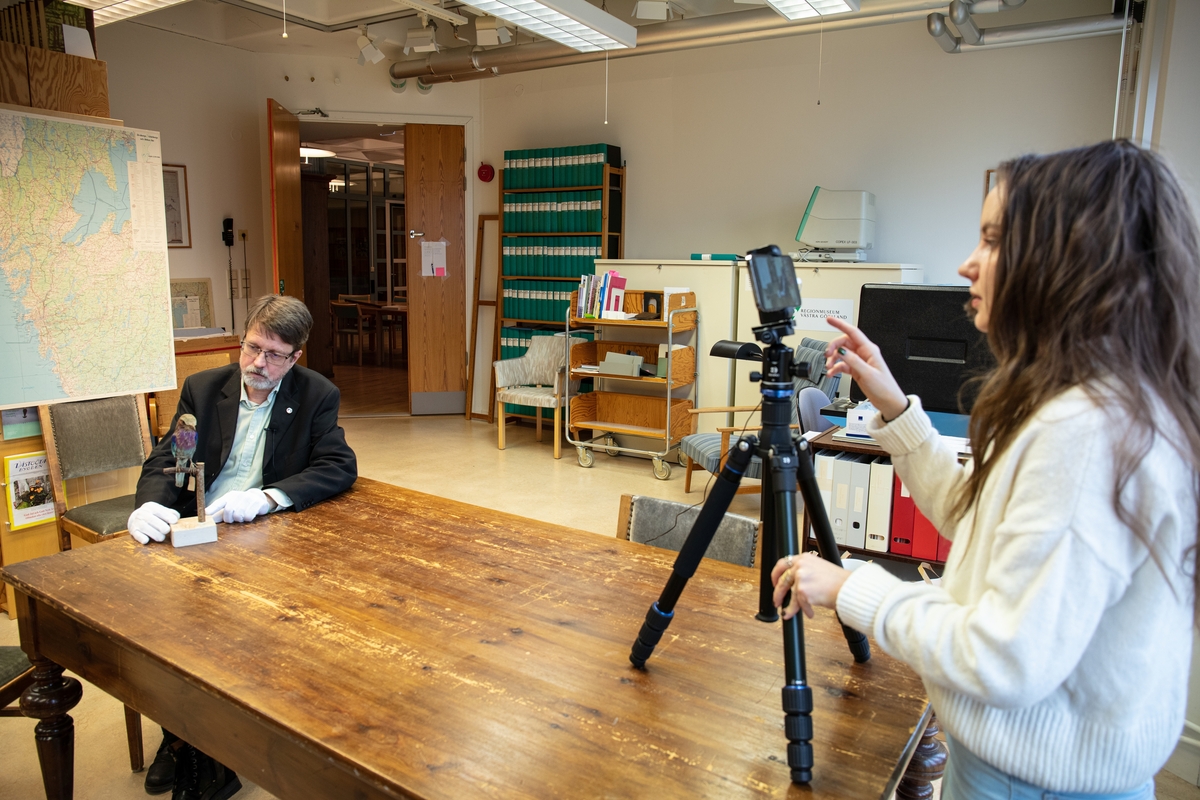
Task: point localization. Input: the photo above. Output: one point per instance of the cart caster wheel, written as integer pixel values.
(662, 470)
(681, 459)
(610, 442)
(586, 459)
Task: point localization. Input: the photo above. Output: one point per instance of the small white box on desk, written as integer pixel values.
(189, 531)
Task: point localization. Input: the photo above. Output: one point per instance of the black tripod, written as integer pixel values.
(784, 463)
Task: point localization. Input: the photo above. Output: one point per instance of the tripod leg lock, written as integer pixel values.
(797, 725)
(648, 637)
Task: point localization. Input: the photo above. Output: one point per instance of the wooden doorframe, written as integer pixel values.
(287, 245)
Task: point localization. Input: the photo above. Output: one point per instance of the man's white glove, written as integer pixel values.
(152, 521)
(240, 506)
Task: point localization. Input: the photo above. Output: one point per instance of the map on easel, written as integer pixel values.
(84, 295)
(191, 302)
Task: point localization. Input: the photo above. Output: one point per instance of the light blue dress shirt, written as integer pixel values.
(243, 468)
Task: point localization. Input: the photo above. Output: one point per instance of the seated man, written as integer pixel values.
(269, 440)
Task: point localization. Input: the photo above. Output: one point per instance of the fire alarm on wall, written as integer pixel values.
(486, 173)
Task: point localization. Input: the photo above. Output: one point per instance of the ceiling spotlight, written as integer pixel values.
(421, 40)
(489, 31)
(367, 51)
(651, 9)
(576, 23)
(800, 9)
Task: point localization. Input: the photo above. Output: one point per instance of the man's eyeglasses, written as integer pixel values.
(273, 358)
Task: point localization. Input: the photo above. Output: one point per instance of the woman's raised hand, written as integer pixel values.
(856, 355)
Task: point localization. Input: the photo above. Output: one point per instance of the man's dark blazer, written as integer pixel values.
(305, 456)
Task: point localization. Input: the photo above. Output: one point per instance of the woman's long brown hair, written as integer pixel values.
(1097, 279)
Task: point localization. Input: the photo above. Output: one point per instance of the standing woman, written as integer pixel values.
(1056, 649)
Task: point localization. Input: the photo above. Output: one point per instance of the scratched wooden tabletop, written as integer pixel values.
(444, 650)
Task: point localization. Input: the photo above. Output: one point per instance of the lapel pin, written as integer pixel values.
(289, 410)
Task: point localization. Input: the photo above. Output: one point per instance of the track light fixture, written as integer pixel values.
(422, 40)
(367, 51)
(490, 31)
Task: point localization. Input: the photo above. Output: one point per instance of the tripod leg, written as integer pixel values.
(663, 610)
(770, 547)
(860, 647)
(797, 695)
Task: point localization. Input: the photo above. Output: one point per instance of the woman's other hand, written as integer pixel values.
(812, 580)
(854, 354)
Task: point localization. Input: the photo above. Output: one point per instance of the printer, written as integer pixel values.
(837, 226)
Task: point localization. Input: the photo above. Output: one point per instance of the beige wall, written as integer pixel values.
(725, 144)
(209, 103)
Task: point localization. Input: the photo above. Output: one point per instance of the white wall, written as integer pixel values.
(725, 144)
(209, 103)
(202, 99)
(1179, 133)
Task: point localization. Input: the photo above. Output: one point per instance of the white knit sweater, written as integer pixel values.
(1054, 648)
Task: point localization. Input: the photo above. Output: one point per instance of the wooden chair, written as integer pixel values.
(163, 404)
(354, 298)
(666, 524)
(350, 323)
(16, 675)
(90, 437)
(536, 379)
(707, 450)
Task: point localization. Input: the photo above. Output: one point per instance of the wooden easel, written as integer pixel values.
(479, 301)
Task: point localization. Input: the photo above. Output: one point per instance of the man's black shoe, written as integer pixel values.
(160, 777)
(201, 777)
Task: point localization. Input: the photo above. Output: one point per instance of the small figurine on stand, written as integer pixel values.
(197, 529)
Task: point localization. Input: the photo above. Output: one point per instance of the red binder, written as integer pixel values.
(943, 548)
(903, 510)
(925, 538)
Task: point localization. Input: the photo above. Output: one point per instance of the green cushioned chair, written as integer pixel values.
(16, 673)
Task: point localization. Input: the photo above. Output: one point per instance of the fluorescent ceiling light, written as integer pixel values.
(106, 11)
(312, 151)
(437, 12)
(801, 9)
(576, 23)
(651, 9)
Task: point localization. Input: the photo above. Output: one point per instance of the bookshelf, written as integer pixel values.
(561, 209)
(658, 415)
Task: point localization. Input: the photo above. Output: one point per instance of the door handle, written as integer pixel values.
(414, 234)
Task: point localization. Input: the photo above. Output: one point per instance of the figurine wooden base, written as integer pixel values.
(189, 531)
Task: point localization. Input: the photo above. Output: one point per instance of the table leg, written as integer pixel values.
(49, 699)
(927, 765)
(133, 733)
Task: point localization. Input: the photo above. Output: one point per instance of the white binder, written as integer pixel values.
(879, 505)
(824, 469)
(860, 485)
(839, 512)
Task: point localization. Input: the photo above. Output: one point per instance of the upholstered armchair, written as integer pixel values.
(536, 379)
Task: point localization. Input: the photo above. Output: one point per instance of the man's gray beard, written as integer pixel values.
(256, 381)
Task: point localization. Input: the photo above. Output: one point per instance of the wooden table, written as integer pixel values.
(389, 644)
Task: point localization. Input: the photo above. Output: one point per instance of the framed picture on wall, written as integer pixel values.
(989, 181)
(175, 199)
